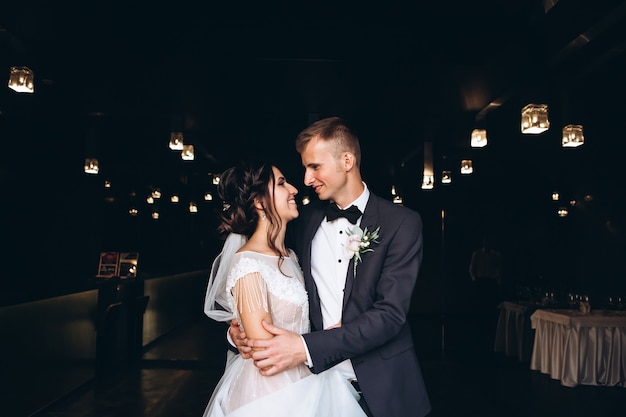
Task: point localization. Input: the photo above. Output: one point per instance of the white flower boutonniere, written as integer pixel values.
(359, 242)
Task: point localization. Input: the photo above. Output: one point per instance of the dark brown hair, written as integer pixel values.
(239, 187)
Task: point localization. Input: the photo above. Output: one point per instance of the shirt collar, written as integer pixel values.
(361, 200)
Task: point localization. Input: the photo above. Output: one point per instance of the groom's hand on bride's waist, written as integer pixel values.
(239, 339)
(283, 351)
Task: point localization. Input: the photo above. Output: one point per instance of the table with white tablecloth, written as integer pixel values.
(514, 335)
(578, 348)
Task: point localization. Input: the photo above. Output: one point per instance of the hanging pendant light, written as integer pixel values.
(428, 182)
(176, 132)
(22, 80)
(446, 177)
(479, 138)
(187, 153)
(176, 141)
(91, 166)
(572, 136)
(466, 166)
(428, 177)
(535, 119)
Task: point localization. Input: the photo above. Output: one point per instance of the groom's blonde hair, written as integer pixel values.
(332, 130)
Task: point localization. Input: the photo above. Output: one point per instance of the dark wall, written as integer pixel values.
(56, 219)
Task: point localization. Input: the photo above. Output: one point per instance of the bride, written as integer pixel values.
(256, 278)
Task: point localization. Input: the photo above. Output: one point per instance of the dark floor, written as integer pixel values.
(177, 374)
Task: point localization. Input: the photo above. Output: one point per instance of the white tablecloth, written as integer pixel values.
(576, 348)
(513, 332)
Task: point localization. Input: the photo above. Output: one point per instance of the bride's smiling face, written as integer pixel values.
(284, 197)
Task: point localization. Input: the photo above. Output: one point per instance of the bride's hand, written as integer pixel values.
(334, 326)
(239, 339)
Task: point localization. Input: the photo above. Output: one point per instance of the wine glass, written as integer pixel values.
(610, 305)
(571, 299)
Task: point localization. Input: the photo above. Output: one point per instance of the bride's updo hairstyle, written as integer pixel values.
(239, 187)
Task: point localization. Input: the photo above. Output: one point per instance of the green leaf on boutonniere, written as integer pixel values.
(359, 242)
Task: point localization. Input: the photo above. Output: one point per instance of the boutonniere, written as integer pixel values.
(359, 242)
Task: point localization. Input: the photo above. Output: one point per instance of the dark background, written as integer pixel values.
(242, 78)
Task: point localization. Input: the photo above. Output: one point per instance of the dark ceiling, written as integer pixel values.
(243, 77)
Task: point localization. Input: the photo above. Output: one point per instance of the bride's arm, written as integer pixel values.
(250, 292)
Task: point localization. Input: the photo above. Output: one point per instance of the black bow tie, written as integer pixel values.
(352, 213)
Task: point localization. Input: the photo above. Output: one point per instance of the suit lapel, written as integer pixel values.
(312, 223)
(310, 228)
(369, 220)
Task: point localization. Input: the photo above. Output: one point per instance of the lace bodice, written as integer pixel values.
(287, 297)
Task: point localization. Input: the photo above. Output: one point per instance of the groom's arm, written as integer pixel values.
(238, 342)
(376, 320)
(283, 351)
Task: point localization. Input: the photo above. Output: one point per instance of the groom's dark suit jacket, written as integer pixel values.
(374, 332)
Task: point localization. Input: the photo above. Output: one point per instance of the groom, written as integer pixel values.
(363, 306)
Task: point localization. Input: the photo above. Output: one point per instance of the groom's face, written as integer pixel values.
(322, 171)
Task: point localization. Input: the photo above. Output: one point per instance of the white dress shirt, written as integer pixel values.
(329, 267)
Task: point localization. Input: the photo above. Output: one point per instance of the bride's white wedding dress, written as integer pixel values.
(243, 391)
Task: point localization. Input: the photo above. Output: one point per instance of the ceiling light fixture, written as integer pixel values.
(91, 166)
(466, 166)
(22, 80)
(187, 153)
(479, 138)
(176, 141)
(428, 174)
(535, 119)
(428, 182)
(572, 136)
(176, 132)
